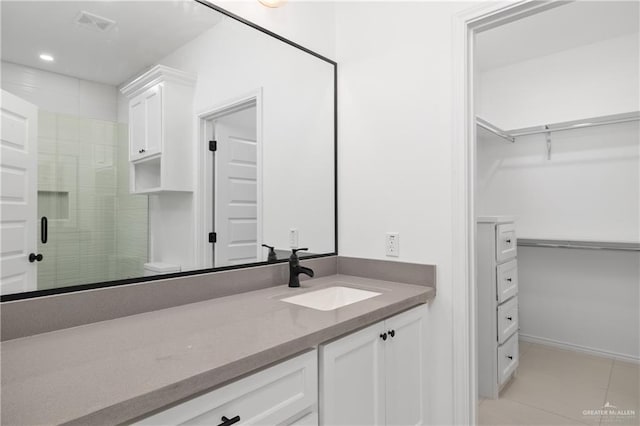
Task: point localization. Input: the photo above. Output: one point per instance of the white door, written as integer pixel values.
(18, 196)
(405, 373)
(352, 376)
(236, 189)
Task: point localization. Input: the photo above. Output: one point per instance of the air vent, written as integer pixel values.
(94, 22)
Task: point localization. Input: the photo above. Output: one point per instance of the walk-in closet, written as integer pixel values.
(557, 161)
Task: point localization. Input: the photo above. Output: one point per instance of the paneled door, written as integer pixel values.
(18, 196)
(405, 379)
(236, 189)
(352, 379)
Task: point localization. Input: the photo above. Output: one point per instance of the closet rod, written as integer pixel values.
(494, 129)
(573, 244)
(576, 124)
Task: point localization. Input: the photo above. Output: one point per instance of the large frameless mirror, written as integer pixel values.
(148, 138)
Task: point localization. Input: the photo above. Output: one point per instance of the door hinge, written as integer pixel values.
(213, 146)
(213, 237)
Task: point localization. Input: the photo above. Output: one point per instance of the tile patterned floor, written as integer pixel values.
(559, 387)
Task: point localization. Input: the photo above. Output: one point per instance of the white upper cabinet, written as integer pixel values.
(161, 142)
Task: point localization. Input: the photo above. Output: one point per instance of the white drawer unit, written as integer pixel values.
(507, 319)
(507, 280)
(497, 290)
(285, 394)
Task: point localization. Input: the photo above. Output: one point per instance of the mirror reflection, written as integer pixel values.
(146, 138)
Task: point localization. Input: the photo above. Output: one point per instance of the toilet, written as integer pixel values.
(159, 268)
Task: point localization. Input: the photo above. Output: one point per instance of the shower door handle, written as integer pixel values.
(44, 229)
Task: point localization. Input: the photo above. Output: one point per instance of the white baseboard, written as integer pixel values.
(578, 348)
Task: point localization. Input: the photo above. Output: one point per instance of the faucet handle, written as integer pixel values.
(294, 251)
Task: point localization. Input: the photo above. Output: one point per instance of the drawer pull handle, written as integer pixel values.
(383, 336)
(510, 318)
(140, 151)
(227, 421)
(392, 333)
(35, 257)
(508, 241)
(509, 279)
(509, 356)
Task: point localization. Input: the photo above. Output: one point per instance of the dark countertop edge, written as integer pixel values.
(139, 407)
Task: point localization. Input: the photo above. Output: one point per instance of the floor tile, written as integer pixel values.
(625, 379)
(566, 366)
(507, 412)
(557, 395)
(523, 347)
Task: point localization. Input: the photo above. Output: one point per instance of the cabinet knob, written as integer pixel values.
(141, 150)
(229, 421)
(510, 318)
(35, 257)
(509, 279)
(392, 333)
(383, 336)
(508, 241)
(509, 356)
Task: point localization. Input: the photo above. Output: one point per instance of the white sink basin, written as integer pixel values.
(331, 298)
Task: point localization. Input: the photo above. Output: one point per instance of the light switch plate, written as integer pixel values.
(392, 244)
(293, 238)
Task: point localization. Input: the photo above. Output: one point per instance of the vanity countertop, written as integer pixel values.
(114, 371)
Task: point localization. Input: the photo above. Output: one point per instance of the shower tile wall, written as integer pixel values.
(97, 231)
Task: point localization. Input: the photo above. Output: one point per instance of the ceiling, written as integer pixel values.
(554, 30)
(144, 32)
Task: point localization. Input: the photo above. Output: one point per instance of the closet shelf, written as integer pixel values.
(510, 135)
(576, 244)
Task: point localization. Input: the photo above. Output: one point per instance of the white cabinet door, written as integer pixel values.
(352, 379)
(145, 124)
(153, 102)
(137, 127)
(405, 365)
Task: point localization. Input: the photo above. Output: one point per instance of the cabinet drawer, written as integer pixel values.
(507, 280)
(507, 358)
(507, 319)
(278, 395)
(506, 247)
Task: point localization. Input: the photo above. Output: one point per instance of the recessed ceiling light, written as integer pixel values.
(46, 57)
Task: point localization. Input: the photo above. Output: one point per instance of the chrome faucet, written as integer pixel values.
(295, 269)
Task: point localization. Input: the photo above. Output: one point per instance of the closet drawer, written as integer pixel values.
(507, 319)
(506, 246)
(507, 359)
(278, 395)
(507, 280)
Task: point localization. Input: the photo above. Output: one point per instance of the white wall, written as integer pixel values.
(588, 81)
(588, 190)
(59, 93)
(395, 146)
(582, 298)
(309, 23)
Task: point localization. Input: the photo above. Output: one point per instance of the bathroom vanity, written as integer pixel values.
(202, 360)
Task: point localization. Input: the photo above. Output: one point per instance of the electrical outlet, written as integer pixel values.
(392, 245)
(293, 238)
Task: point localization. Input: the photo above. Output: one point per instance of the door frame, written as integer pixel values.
(465, 25)
(204, 161)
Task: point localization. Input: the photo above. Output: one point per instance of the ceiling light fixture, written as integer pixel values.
(272, 3)
(46, 57)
